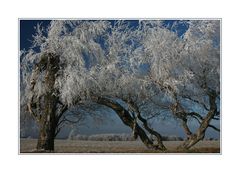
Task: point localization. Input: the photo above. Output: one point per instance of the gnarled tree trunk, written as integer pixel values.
(128, 120)
(44, 107)
(135, 109)
(46, 136)
(200, 133)
(47, 125)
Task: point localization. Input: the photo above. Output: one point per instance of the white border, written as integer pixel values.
(12, 10)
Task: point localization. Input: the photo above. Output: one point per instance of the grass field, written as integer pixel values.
(77, 146)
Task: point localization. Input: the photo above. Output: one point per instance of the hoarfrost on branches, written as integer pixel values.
(132, 64)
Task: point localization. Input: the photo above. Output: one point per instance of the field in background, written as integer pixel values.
(78, 146)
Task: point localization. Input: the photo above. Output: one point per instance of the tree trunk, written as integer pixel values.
(127, 119)
(200, 133)
(47, 104)
(135, 109)
(155, 133)
(46, 136)
(47, 124)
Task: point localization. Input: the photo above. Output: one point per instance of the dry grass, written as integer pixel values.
(76, 146)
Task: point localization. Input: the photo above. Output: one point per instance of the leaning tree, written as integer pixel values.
(187, 69)
(76, 62)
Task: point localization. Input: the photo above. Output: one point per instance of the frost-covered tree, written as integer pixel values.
(187, 70)
(79, 62)
(65, 51)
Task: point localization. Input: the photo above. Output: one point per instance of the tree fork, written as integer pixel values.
(135, 109)
(127, 119)
(200, 133)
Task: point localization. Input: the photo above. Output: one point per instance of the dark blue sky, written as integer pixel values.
(27, 29)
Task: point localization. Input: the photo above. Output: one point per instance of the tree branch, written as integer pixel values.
(196, 101)
(198, 118)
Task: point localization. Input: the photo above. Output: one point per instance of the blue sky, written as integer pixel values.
(27, 29)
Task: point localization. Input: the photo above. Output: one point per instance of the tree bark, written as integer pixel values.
(47, 125)
(153, 132)
(186, 128)
(128, 120)
(135, 109)
(46, 136)
(200, 133)
(46, 104)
